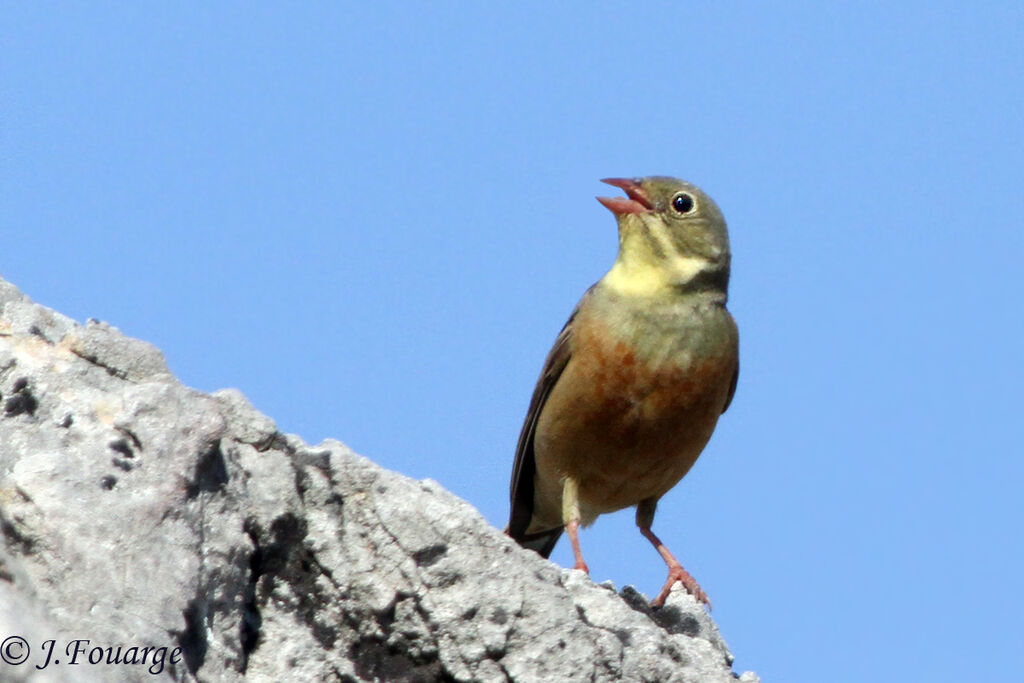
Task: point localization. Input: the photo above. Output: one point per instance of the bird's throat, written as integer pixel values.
(646, 277)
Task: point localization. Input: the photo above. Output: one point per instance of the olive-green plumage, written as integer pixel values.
(634, 385)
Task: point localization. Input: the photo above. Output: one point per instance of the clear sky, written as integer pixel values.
(373, 219)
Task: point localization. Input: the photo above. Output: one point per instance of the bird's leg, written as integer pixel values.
(571, 518)
(644, 519)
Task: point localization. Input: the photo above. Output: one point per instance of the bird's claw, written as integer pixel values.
(676, 573)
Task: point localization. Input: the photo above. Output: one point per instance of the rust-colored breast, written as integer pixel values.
(627, 419)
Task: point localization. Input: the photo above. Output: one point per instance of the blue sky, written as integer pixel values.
(373, 220)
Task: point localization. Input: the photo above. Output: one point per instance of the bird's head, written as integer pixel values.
(672, 236)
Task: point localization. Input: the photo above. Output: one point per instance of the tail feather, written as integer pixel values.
(541, 542)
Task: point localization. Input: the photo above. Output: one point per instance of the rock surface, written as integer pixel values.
(136, 512)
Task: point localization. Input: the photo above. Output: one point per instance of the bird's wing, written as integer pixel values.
(525, 466)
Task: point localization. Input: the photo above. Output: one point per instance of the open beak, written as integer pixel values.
(638, 201)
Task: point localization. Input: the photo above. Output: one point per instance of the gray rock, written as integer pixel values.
(138, 513)
(8, 292)
(24, 317)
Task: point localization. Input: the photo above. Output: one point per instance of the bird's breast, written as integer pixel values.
(638, 401)
(650, 385)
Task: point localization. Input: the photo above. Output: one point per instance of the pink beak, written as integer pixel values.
(638, 201)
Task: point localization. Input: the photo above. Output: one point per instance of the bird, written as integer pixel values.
(636, 380)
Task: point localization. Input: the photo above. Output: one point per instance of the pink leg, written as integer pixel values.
(573, 530)
(675, 573)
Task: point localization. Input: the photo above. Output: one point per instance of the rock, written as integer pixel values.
(138, 513)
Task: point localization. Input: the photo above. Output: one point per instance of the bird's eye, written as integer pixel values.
(682, 203)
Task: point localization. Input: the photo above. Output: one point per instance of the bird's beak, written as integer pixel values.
(638, 201)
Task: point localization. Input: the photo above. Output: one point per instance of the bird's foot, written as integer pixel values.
(677, 573)
(582, 566)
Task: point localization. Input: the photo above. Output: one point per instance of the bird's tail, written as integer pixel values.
(542, 542)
